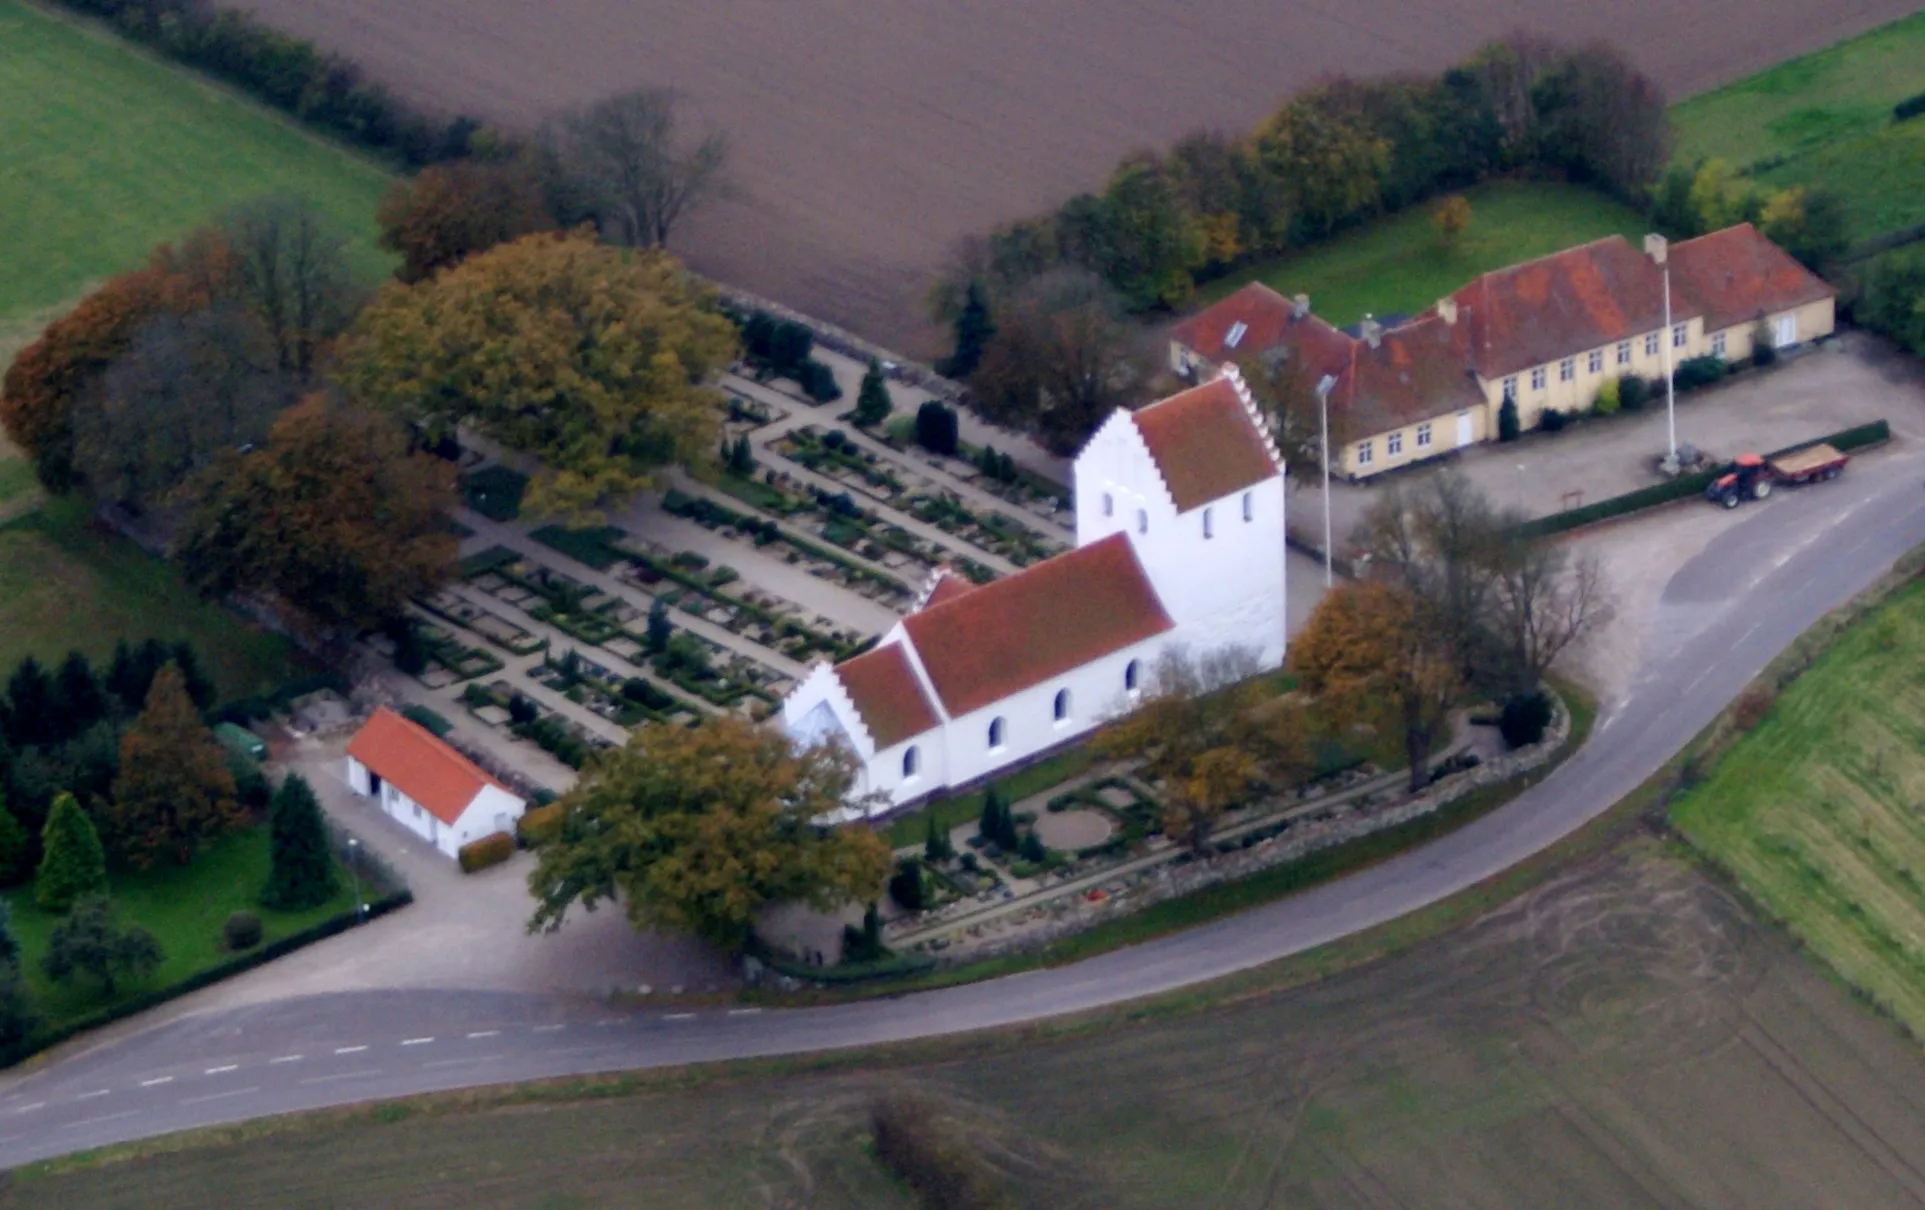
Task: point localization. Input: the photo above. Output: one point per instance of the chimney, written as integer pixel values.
(1299, 306)
(1372, 331)
(1447, 310)
(1655, 247)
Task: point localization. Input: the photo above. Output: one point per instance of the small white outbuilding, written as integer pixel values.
(431, 789)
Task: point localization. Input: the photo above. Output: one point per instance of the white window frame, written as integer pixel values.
(1394, 444)
(1364, 454)
(1594, 364)
(1567, 369)
(1537, 378)
(1651, 344)
(1680, 335)
(1624, 352)
(1235, 334)
(1510, 387)
(1717, 344)
(1423, 435)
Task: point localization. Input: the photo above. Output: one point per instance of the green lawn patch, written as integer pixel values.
(495, 492)
(110, 152)
(1400, 266)
(184, 907)
(66, 584)
(1049, 772)
(1815, 812)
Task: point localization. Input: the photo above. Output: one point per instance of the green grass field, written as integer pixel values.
(1400, 266)
(184, 907)
(1816, 813)
(109, 152)
(64, 584)
(1825, 119)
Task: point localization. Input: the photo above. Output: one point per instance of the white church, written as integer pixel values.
(1179, 541)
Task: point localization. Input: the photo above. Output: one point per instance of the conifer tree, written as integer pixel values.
(80, 701)
(30, 704)
(199, 686)
(973, 329)
(303, 874)
(72, 863)
(174, 789)
(9, 947)
(13, 846)
(872, 401)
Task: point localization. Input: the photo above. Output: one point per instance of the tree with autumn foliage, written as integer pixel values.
(174, 790)
(47, 378)
(333, 517)
(1329, 157)
(1451, 218)
(596, 360)
(1371, 654)
(1210, 736)
(697, 829)
(449, 212)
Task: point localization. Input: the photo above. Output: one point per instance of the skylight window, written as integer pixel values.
(1235, 334)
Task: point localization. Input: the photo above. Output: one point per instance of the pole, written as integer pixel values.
(1670, 391)
(354, 864)
(1323, 429)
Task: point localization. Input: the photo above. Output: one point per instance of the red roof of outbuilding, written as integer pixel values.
(1013, 633)
(1262, 311)
(405, 755)
(887, 694)
(1206, 443)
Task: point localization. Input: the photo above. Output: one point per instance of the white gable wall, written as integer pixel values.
(480, 817)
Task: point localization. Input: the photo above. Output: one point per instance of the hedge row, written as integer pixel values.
(238, 964)
(900, 966)
(1685, 485)
(291, 74)
(490, 850)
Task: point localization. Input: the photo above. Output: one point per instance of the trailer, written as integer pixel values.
(1751, 476)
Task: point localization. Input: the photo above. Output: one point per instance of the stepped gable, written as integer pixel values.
(1207, 442)
(1015, 633)
(885, 692)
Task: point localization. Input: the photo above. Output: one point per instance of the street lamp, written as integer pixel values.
(354, 865)
(1324, 386)
(1657, 248)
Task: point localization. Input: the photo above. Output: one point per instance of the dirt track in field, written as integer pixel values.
(871, 134)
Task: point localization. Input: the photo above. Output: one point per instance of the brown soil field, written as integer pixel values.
(870, 135)
(1622, 1037)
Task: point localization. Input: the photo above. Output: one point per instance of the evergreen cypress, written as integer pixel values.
(1507, 422)
(81, 702)
(200, 688)
(31, 708)
(72, 863)
(303, 874)
(14, 847)
(872, 401)
(973, 328)
(660, 629)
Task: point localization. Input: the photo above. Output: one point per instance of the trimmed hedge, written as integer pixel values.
(492, 849)
(900, 966)
(1876, 432)
(238, 964)
(427, 720)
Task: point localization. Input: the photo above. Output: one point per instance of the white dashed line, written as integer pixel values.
(485, 1033)
(345, 1075)
(607, 1021)
(743, 1012)
(284, 1059)
(112, 1117)
(31, 1108)
(679, 1017)
(349, 1050)
(548, 1029)
(157, 1080)
(215, 1096)
(416, 1041)
(217, 1071)
(98, 1092)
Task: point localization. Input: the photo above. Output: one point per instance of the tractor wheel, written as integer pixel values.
(1828, 474)
(1760, 488)
(1730, 498)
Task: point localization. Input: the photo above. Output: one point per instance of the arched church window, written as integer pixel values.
(1142, 521)
(996, 730)
(1130, 672)
(1249, 507)
(1209, 527)
(911, 762)
(1109, 505)
(1061, 708)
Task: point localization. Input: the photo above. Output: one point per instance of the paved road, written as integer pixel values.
(1721, 618)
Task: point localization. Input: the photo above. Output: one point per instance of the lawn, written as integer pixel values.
(1826, 118)
(65, 584)
(1399, 265)
(1815, 811)
(184, 907)
(109, 152)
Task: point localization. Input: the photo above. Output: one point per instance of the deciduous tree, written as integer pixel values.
(72, 863)
(449, 212)
(333, 517)
(302, 874)
(90, 941)
(290, 271)
(1371, 655)
(1543, 601)
(174, 791)
(594, 359)
(1451, 218)
(696, 829)
(1329, 159)
(1285, 389)
(1152, 243)
(634, 169)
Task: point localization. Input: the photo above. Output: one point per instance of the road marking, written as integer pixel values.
(349, 1050)
(548, 1029)
(157, 1080)
(215, 1096)
(215, 1071)
(343, 1075)
(485, 1033)
(679, 1017)
(284, 1059)
(607, 1021)
(416, 1041)
(98, 1092)
(32, 1107)
(96, 1121)
(743, 1012)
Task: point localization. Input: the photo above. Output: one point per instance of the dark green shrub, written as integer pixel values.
(1763, 351)
(1633, 392)
(492, 849)
(1910, 107)
(818, 382)
(1524, 718)
(1032, 848)
(1551, 420)
(906, 885)
(1507, 422)
(241, 932)
(522, 711)
(427, 720)
(1695, 372)
(936, 429)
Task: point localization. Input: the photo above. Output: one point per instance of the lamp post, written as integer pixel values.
(354, 865)
(1657, 248)
(1324, 386)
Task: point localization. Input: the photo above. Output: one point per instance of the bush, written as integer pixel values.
(522, 711)
(817, 382)
(644, 693)
(936, 429)
(242, 931)
(1606, 403)
(1751, 707)
(1763, 351)
(906, 885)
(1032, 849)
(1507, 422)
(492, 849)
(1695, 372)
(538, 825)
(1633, 392)
(1910, 107)
(1551, 420)
(1524, 719)
(428, 720)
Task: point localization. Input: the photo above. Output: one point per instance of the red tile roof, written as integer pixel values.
(1417, 371)
(404, 754)
(1262, 311)
(1736, 274)
(1013, 633)
(887, 694)
(948, 587)
(1562, 305)
(1205, 443)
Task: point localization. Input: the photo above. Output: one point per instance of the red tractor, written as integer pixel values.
(1751, 477)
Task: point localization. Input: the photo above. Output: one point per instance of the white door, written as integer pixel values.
(1784, 331)
(1463, 429)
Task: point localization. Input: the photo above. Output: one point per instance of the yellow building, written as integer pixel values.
(1547, 334)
